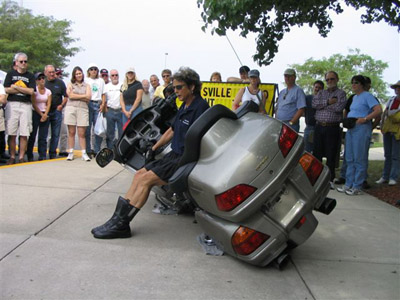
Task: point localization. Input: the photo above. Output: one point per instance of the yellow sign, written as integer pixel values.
(224, 93)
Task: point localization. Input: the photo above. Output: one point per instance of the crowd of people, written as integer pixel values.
(40, 107)
(41, 103)
(326, 111)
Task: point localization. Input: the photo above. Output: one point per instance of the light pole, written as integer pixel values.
(165, 62)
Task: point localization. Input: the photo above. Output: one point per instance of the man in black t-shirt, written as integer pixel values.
(20, 85)
(59, 99)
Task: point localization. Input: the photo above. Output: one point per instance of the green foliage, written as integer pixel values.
(44, 39)
(347, 66)
(270, 20)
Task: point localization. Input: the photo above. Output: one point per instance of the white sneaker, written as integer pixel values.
(392, 182)
(85, 157)
(70, 156)
(381, 180)
(353, 192)
(343, 189)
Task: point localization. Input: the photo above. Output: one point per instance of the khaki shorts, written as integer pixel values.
(18, 117)
(2, 124)
(77, 116)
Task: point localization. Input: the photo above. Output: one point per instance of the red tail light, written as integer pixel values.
(287, 139)
(231, 198)
(246, 240)
(301, 222)
(311, 166)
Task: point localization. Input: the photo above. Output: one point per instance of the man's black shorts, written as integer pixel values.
(166, 166)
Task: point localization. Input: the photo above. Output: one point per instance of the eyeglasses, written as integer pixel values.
(23, 61)
(355, 82)
(104, 75)
(330, 79)
(114, 75)
(93, 69)
(178, 87)
(166, 75)
(40, 78)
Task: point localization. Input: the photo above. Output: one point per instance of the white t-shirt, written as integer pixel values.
(97, 86)
(2, 89)
(113, 92)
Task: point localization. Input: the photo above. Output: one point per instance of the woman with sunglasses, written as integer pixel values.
(41, 103)
(251, 92)
(131, 96)
(364, 108)
(187, 87)
(77, 112)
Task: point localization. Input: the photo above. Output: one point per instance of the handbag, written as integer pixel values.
(349, 123)
(100, 128)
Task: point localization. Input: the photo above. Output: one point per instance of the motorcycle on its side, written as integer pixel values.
(251, 185)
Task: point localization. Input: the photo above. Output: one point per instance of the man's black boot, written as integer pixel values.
(118, 225)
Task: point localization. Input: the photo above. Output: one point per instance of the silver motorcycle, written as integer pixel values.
(246, 176)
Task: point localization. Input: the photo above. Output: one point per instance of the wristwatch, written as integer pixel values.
(291, 123)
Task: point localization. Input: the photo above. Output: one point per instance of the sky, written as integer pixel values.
(151, 35)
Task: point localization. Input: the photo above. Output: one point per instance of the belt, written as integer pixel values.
(325, 124)
(95, 101)
(114, 109)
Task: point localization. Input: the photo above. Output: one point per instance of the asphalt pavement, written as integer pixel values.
(47, 251)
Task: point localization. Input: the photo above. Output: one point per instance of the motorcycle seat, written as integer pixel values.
(199, 129)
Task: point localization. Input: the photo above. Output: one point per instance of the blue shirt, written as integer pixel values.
(289, 102)
(184, 119)
(362, 105)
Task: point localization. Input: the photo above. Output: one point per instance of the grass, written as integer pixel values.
(376, 145)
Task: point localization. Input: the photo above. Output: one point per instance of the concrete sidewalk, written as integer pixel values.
(48, 252)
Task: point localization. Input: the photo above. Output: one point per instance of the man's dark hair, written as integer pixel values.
(244, 69)
(320, 82)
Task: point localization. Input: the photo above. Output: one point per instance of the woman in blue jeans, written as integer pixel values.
(131, 96)
(364, 108)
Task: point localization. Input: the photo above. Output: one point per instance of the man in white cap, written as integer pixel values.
(291, 101)
(97, 87)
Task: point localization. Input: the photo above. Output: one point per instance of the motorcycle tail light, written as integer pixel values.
(287, 139)
(311, 166)
(231, 198)
(246, 240)
(301, 222)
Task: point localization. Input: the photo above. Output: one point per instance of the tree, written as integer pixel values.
(44, 39)
(346, 66)
(272, 19)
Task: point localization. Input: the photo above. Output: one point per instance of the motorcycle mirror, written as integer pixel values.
(104, 157)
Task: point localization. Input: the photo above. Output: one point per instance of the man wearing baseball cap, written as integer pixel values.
(291, 101)
(97, 87)
(104, 75)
